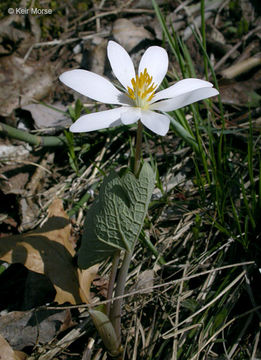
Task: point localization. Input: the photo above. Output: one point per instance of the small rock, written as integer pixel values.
(98, 57)
(9, 152)
(77, 49)
(128, 34)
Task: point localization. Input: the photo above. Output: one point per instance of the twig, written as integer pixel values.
(116, 12)
(169, 283)
(88, 351)
(213, 337)
(237, 279)
(234, 48)
(196, 23)
(62, 42)
(251, 295)
(26, 162)
(181, 286)
(239, 337)
(65, 341)
(241, 67)
(39, 173)
(253, 357)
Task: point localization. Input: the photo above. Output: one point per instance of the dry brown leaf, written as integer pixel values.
(238, 93)
(7, 353)
(22, 82)
(56, 210)
(102, 283)
(48, 118)
(85, 278)
(34, 327)
(48, 251)
(145, 281)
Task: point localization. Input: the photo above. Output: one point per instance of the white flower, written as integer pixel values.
(139, 100)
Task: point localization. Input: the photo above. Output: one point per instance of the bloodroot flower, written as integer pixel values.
(139, 100)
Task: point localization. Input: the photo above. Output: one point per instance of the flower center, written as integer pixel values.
(143, 89)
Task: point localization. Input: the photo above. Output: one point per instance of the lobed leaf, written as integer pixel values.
(116, 217)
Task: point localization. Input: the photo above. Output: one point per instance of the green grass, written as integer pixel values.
(202, 235)
(215, 315)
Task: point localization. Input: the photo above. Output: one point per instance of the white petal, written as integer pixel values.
(121, 63)
(181, 87)
(155, 59)
(130, 116)
(98, 120)
(93, 86)
(184, 99)
(157, 123)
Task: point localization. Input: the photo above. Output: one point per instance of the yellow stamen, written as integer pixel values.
(143, 89)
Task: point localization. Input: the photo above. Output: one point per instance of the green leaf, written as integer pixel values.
(116, 217)
(183, 133)
(78, 109)
(106, 331)
(72, 113)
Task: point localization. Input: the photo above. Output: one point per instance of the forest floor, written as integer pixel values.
(195, 292)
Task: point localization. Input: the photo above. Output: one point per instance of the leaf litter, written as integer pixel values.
(37, 249)
(176, 232)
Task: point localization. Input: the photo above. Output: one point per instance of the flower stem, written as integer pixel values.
(116, 309)
(123, 273)
(138, 148)
(115, 263)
